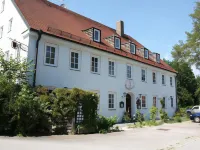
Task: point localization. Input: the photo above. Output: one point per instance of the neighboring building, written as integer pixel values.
(71, 50)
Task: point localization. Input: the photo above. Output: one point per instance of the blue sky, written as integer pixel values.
(157, 24)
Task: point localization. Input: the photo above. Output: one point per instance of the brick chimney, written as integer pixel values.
(120, 28)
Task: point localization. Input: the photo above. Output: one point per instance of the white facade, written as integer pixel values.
(62, 75)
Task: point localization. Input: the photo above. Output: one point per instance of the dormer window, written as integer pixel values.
(133, 48)
(117, 43)
(158, 58)
(146, 53)
(97, 35)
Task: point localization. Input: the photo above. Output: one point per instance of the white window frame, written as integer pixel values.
(158, 58)
(99, 35)
(2, 6)
(164, 80)
(133, 52)
(131, 77)
(99, 64)
(7, 55)
(1, 32)
(145, 101)
(155, 77)
(165, 102)
(145, 75)
(115, 40)
(114, 103)
(112, 61)
(10, 22)
(146, 50)
(56, 55)
(79, 60)
(171, 81)
(156, 101)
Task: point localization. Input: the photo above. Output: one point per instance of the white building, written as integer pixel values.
(71, 50)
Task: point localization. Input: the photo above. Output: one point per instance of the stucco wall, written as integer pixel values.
(63, 76)
(17, 32)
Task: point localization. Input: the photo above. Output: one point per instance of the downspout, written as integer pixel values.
(36, 56)
(176, 93)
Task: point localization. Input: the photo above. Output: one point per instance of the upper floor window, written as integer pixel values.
(1, 32)
(163, 79)
(117, 43)
(146, 53)
(97, 35)
(129, 72)
(2, 6)
(95, 64)
(10, 24)
(171, 83)
(144, 102)
(111, 68)
(111, 100)
(154, 77)
(154, 101)
(133, 48)
(143, 72)
(158, 58)
(75, 60)
(51, 55)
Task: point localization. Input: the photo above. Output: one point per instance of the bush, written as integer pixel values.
(126, 118)
(178, 119)
(163, 115)
(153, 113)
(104, 123)
(139, 118)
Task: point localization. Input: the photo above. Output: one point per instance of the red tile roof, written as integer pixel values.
(63, 23)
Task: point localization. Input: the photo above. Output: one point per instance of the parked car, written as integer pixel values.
(195, 117)
(195, 109)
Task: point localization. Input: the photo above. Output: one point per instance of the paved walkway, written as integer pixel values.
(181, 136)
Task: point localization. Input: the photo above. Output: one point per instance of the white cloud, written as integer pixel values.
(195, 71)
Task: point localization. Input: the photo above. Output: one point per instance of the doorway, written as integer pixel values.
(128, 104)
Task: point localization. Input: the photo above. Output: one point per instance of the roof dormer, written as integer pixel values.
(117, 42)
(146, 53)
(130, 47)
(94, 34)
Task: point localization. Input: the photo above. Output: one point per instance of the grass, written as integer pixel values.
(145, 123)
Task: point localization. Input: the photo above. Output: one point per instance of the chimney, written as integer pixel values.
(120, 28)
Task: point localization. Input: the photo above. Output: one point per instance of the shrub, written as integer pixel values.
(153, 113)
(163, 115)
(178, 119)
(140, 117)
(104, 123)
(126, 118)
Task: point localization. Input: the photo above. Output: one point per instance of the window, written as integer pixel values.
(10, 25)
(196, 107)
(2, 6)
(154, 77)
(158, 58)
(111, 68)
(74, 61)
(172, 101)
(154, 101)
(7, 55)
(133, 48)
(171, 81)
(95, 64)
(163, 79)
(164, 102)
(111, 100)
(97, 35)
(146, 53)
(144, 105)
(143, 75)
(1, 32)
(50, 55)
(117, 43)
(129, 72)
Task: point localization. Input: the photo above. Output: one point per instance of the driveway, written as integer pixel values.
(181, 136)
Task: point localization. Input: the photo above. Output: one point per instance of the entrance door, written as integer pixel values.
(128, 104)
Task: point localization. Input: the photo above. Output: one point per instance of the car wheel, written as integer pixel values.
(197, 119)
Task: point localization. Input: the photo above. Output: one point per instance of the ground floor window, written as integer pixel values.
(111, 100)
(144, 103)
(154, 101)
(172, 101)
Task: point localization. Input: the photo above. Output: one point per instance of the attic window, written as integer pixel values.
(132, 48)
(97, 35)
(158, 58)
(117, 43)
(146, 53)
